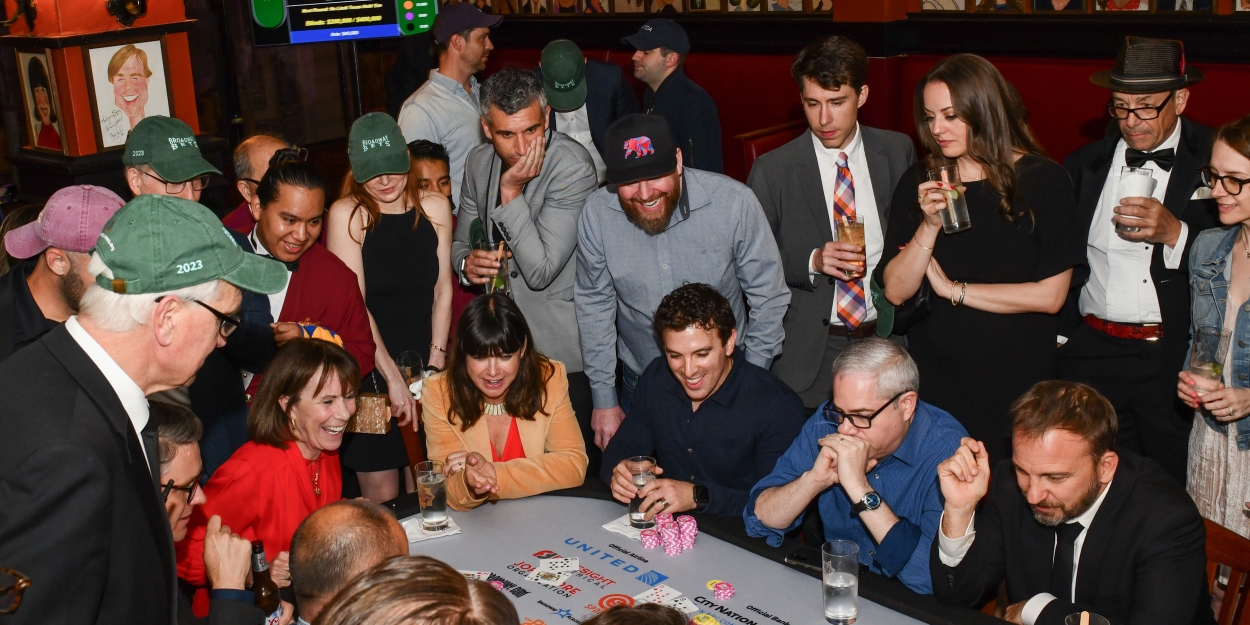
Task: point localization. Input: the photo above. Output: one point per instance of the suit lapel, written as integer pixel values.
(484, 205)
(1184, 178)
(1038, 547)
(879, 172)
(807, 171)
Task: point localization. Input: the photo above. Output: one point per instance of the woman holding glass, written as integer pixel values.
(397, 238)
(499, 418)
(998, 284)
(1219, 281)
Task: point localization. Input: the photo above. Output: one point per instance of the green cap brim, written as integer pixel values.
(183, 169)
(258, 275)
(366, 169)
(567, 100)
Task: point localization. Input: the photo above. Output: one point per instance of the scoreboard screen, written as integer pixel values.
(276, 22)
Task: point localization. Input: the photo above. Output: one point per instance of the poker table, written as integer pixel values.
(509, 539)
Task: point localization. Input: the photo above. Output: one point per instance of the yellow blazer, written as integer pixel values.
(555, 454)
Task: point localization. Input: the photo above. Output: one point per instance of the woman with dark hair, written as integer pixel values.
(397, 238)
(47, 134)
(417, 590)
(499, 418)
(290, 467)
(1007, 276)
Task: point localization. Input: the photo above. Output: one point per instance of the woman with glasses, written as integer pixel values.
(290, 467)
(1219, 280)
(397, 238)
(996, 286)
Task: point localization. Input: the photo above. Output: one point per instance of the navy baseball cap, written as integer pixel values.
(455, 17)
(639, 147)
(660, 32)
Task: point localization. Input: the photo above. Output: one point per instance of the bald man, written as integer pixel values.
(334, 545)
(251, 161)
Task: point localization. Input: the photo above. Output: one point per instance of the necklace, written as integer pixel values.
(494, 410)
(1242, 240)
(317, 481)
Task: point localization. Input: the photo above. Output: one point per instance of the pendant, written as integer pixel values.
(317, 491)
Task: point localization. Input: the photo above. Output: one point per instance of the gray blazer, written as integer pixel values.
(540, 227)
(787, 183)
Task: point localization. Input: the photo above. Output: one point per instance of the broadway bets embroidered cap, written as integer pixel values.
(639, 147)
(168, 146)
(376, 147)
(71, 220)
(564, 75)
(159, 243)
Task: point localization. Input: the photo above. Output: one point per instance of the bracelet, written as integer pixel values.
(954, 302)
(913, 238)
(433, 346)
(963, 293)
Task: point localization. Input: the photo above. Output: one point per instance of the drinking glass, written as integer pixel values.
(955, 218)
(642, 468)
(1094, 619)
(1206, 363)
(851, 230)
(840, 559)
(500, 252)
(432, 494)
(1134, 182)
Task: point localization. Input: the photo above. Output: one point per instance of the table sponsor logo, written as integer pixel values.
(584, 573)
(723, 613)
(560, 613)
(767, 615)
(630, 554)
(652, 577)
(509, 587)
(584, 550)
(564, 590)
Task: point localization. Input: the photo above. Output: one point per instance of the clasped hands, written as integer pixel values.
(479, 473)
(659, 495)
(1225, 404)
(844, 460)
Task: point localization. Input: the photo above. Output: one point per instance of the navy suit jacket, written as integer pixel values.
(609, 97)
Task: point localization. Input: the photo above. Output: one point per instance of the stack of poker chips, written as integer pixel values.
(688, 530)
(724, 591)
(670, 536)
(662, 518)
(650, 539)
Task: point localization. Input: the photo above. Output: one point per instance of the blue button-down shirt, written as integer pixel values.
(906, 480)
(728, 444)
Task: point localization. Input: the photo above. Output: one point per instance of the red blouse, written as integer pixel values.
(261, 493)
(512, 449)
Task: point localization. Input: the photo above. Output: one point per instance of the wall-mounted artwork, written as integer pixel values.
(745, 6)
(1062, 6)
(563, 7)
(1121, 5)
(43, 114)
(629, 6)
(1001, 6)
(129, 82)
(943, 5)
(1184, 5)
(666, 7)
(595, 6)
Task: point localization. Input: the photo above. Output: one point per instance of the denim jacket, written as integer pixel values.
(1208, 284)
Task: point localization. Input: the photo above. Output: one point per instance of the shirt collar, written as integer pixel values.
(261, 250)
(854, 150)
(451, 84)
(909, 451)
(131, 396)
(1087, 518)
(725, 395)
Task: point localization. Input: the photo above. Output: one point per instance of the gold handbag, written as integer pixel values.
(373, 411)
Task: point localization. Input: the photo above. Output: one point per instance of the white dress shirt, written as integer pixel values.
(865, 209)
(577, 125)
(129, 393)
(1120, 287)
(276, 300)
(951, 552)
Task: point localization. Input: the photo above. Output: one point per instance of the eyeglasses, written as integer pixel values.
(189, 490)
(1143, 113)
(1231, 184)
(173, 188)
(834, 417)
(229, 323)
(12, 584)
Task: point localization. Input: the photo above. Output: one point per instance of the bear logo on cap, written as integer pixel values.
(639, 147)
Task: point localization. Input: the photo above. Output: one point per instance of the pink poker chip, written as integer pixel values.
(663, 517)
(498, 585)
(723, 590)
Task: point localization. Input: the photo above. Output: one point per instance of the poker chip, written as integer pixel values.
(663, 517)
(723, 591)
(711, 585)
(498, 585)
(704, 619)
(650, 539)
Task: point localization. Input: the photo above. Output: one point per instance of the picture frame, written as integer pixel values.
(999, 6)
(820, 6)
(745, 6)
(1241, 6)
(665, 7)
(566, 7)
(943, 5)
(629, 6)
(44, 122)
(1186, 6)
(595, 7)
(1060, 7)
(128, 82)
(532, 7)
(784, 6)
(1123, 6)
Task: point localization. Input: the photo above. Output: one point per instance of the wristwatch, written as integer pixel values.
(701, 497)
(871, 501)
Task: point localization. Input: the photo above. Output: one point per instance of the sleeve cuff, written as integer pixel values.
(242, 596)
(1033, 607)
(762, 362)
(603, 398)
(896, 549)
(952, 550)
(1172, 256)
(812, 273)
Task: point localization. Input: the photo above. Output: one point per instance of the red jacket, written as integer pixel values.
(261, 493)
(240, 219)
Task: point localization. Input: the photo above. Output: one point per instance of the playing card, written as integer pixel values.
(657, 594)
(480, 576)
(681, 603)
(548, 578)
(560, 565)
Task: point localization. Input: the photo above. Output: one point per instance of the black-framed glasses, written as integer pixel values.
(189, 490)
(1231, 184)
(229, 323)
(173, 188)
(1143, 113)
(834, 417)
(12, 585)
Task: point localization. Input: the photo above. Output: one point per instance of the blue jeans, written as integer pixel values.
(629, 381)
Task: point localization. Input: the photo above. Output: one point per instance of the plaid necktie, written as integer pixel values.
(848, 294)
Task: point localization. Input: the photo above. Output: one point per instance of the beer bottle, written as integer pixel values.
(266, 591)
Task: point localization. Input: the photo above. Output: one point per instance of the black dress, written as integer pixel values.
(401, 269)
(973, 363)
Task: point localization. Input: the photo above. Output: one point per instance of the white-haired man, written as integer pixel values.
(78, 460)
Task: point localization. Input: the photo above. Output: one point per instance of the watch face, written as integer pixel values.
(872, 500)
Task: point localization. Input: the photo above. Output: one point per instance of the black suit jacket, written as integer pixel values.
(221, 612)
(787, 183)
(21, 321)
(608, 98)
(1089, 167)
(1143, 560)
(79, 513)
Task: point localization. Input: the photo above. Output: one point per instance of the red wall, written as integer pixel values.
(755, 91)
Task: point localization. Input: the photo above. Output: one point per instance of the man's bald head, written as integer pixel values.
(251, 160)
(335, 544)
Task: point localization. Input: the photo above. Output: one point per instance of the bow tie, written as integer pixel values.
(1162, 158)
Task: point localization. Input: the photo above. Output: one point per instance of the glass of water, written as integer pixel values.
(642, 468)
(1134, 182)
(432, 493)
(1085, 618)
(840, 559)
(1206, 363)
(955, 217)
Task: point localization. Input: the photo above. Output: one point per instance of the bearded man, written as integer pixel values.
(653, 228)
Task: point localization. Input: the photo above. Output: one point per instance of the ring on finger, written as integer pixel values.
(663, 503)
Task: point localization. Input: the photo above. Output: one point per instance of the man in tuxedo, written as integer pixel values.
(1070, 524)
(837, 168)
(251, 161)
(1126, 321)
(80, 514)
(585, 96)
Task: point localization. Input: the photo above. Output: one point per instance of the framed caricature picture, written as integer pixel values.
(820, 6)
(666, 7)
(1202, 6)
(129, 82)
(745, 6)
(1059, 6)
(629, 6)
(943, 5)
(1121, 5)
(43, 114)
(1241, 5)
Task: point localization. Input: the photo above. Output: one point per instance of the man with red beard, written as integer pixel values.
(653, 228)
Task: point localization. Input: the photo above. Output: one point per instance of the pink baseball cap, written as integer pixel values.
(71, 220)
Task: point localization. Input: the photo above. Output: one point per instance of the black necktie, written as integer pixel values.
(150, 447)
(1162, 158)
(1065, 551)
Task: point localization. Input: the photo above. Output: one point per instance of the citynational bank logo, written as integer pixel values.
(652, 577)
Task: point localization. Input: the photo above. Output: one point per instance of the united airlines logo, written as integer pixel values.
(652, 577)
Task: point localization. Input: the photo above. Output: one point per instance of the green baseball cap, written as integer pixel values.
(159, 243)
(168, 146)
(375, 147)
(564, 75)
